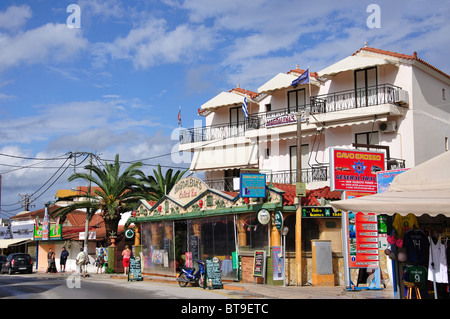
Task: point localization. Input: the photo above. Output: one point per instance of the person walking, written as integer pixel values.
(100, 260)
(63, 259)
(126, 254)
(81, 262)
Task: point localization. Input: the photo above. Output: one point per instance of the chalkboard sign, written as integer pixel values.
(193, 243)
(259, 263)
(213, 273)
(134, 272)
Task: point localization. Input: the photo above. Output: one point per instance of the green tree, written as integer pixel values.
(116, 194)
(160, 184)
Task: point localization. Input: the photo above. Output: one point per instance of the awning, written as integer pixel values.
(424, 189)
(225, 99)
(352, 63)
(5, 243)
(221, 158)
(281, 81)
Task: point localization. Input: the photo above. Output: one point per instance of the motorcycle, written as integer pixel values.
(189, 276)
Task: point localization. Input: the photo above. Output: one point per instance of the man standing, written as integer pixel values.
(49, 259)
(81, 261)
(63, 259)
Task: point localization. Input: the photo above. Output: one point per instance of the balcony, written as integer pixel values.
(315, 174)
(322, 104)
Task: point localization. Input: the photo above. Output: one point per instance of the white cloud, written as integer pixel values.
(14, 17)
(154, 43)
(50, 42)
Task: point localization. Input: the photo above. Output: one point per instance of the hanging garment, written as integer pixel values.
(438, 261)
(402, 223)
(416, 245)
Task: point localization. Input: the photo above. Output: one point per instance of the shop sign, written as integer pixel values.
(253, 185)
(92, 235)
(354, 170)
(263, 216)
(320, 211)
(363, 240)
(278, 220)
(187, 189)
(281, 120)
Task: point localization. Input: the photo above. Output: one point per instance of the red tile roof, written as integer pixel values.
(250, 94)
(401, 56)
(312, 196)
(299, 72)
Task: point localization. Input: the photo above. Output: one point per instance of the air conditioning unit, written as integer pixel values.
(387, 127)
(401, 97)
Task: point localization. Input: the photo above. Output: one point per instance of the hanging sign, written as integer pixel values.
(278, 220)
(264, 216)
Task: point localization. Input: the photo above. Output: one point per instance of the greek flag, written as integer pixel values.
(244, 106)
(302, 79)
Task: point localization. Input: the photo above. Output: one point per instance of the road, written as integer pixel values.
(49, 286)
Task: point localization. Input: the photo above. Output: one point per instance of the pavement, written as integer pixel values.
(267, 291)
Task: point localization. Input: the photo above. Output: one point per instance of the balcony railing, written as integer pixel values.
(343, 100)
(282, 177)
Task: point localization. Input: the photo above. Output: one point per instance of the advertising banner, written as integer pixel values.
(355, 170)
(278, 263)
(253, 185)
(385, 178)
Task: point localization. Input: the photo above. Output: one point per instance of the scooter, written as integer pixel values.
(189, 276)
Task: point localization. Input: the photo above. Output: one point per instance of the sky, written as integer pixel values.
(110, 76)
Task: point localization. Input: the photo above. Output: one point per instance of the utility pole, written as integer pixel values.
(298, 214)
(88, 210)
(25, 202)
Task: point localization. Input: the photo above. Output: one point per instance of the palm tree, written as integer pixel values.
(116, 194)
(159, 184)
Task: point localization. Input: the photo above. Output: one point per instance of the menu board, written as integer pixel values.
(213, 273)
(134, 272)
(259, 263)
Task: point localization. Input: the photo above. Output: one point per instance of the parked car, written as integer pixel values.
(2, 260)
(18, 263)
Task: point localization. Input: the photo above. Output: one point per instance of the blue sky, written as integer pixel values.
(115, 84)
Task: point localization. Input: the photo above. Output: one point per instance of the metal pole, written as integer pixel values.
(86, 227)
(298, 215)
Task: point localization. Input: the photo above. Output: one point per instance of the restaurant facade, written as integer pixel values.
(195, 222)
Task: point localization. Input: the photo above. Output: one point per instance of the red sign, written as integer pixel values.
(363, 240)
(353, 170)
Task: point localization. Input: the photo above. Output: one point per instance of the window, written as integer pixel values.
(367, 138)
(366, 86)
(236, 116)
(443, 94)
(296, 100)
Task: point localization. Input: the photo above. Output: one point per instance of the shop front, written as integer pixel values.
(416, 212)
(196, 222)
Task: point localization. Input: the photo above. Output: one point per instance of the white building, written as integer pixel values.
(386, 101)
